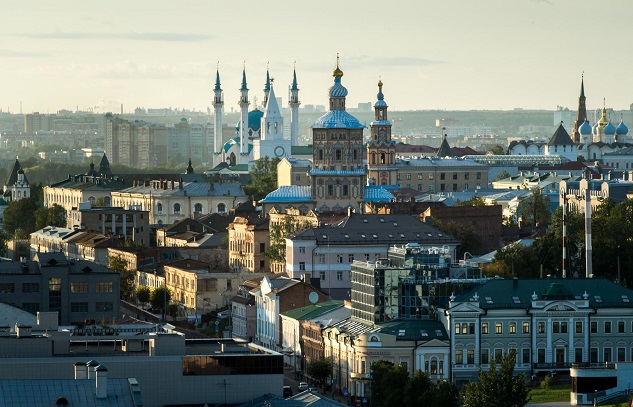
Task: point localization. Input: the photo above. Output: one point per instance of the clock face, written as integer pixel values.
(279, 151)
(382, 133)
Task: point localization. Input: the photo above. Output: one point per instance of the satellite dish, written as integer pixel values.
(313, 297)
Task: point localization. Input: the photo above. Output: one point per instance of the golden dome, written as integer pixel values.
(337, 73)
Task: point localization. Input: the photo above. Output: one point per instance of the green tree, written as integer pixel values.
(53, 216)
(19, 218)
(516, 260)
(473, 201)
(263, 178)
(503, 175)
(497, 388)
(127, 277)
(466, 234)
(158, 297)
(278, 233)
(496, 150)
(389, 383)
(320, 370)
(416, 387)
(143, 293)
(535, 209)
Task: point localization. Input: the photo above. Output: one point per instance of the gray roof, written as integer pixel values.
(192, 189)
(438, 162)
(560, 137)
(18, 393)
(377, 229)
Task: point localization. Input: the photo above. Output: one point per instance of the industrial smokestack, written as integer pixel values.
(588, 260)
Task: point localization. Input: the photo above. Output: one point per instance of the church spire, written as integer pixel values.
(582, 112)
(266, 87)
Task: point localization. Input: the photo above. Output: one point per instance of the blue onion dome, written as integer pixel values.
(255, 119)
(585, 128)
(337, 90)
(381, 98)
(609, 129)
(621, 129)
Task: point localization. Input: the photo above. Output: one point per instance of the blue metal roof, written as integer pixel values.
(337, 119)
(227, 146)
(337, 90)
(289, 193)
(318, 171)
(377, 194)
(609, 129)
(621, 129)
(585, 128)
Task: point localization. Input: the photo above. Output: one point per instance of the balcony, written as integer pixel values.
(552, 366)
(356, 375)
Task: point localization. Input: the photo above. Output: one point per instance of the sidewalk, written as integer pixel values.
(289, 380)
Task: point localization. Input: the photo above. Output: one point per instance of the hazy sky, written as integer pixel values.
(435, 54)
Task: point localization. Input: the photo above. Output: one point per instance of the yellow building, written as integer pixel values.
(248, 241)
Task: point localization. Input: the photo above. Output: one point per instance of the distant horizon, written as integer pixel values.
(455, 55)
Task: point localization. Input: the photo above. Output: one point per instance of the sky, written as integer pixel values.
(430, 54)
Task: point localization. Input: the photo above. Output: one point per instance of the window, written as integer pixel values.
(513, 327)
(620, 328)
(322, 275)
(350, 258)
(478, 175)
(459, 357)
(471, 328)
(621, 354)
(302, 250)
(464, 328)
(30, 287)
(470, 356)
(104, 307)
(339, 258)
(556, 327)
(321, 258)
(526, 327)
(484, 328)
(176, 209)
(540, 356)
(330, 190)
(104, 287)
(526, 356)
(607, 328)
(455, 176)
(78, 307)
(466, 175)
(79, 287)
(457, 328)
(197, 208)
(484, 356)
(498, 355)
(607, 355)
(578, 355)
(593, 355)
(563, 327)
(541, 327)
(498, 328)
(221, 208)
(431, 177)
(159, 208)
(339, 275)
(408, 176)
(262, 248)
(302, 266)
(7, 288)
(442, 176)
(594, 327)
(578, 327)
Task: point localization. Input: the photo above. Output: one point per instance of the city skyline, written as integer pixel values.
(453, 55)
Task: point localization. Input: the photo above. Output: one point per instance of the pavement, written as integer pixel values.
(293, 382)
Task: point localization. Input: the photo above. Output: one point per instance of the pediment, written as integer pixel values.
(560, 306)
(434, 343)
(465, 307)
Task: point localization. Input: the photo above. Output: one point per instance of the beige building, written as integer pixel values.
(282, 224)
(249, 239)
(171, 201)
(126, 224)
(441, 174)
(199, 288)
(291, 171)
(78, 189)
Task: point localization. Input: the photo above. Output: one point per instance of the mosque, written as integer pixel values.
(258, 133)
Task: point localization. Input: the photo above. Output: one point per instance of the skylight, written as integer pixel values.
(382, 220)
(346, 236)
(440, 235)
(375, 236)
(489, 300)
(516, 300)
(401, 234)
(362, 235)
(429, 234)
(438, 332)
(625, 298)
(598, 298)
(364, 220)
(423, 332)
(401, 332)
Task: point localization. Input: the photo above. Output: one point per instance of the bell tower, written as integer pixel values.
(381, 150)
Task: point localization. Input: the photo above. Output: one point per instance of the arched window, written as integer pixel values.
(159, 208)
(176, 209)
(106, 201)
(382, 158)
(197, 208)
(221, 208)
(92, 200)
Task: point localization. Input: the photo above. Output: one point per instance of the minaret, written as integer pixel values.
(244, 116)
(294, 103)
(218, 104)
(266, 88)
(582, 112)
(381, 150)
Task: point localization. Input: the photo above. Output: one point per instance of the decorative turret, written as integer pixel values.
(620, 132)
(381, 150)
(272, 121)
(189, 169)
(582, 112)
(337, 92)
(266, 88)
(104, 167)
(17, 186)
(293, 98)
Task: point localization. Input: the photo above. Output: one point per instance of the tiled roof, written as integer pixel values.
(517, 293)
(337, 119)
(377, 194)
(437, 162)
(289, 193)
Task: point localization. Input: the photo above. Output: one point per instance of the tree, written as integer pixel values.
(503, 175)
(496, 150)
(143, 294)
(535, 209)
(497, 388)
(19, 218)
(516, 260)
(278, 233)
(466, 234)
(53, 216)
(127, 277)
(158, 297)
(320, 370)
(389, 383)
(473, 201)
(263, 178)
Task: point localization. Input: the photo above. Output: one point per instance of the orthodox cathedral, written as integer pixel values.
(258, 133)
(338, 177)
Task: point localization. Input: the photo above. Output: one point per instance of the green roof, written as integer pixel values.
(415, 330)
(312, 311)
(300, 150)
(517, 293)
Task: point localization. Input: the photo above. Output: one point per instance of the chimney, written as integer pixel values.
(172, 184)
(102, 382)
(81, 371)
(90, 368)
(211, 186)
(180, 183)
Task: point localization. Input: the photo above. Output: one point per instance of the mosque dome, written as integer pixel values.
(609, 129)
(254, 120)
(621, 129)
(585, 128)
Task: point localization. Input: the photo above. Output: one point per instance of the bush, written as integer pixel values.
(547, 381)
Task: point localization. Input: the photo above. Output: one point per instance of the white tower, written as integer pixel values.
(272, 122)
(244, 120)
(218, 104)
(293, 98)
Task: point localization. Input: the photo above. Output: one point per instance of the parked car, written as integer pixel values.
(287, 392)
(302, 386)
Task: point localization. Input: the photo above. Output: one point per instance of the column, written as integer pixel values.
(534, 328)
(571, 356)
(586, 327)
(548, 344)
(477, 340)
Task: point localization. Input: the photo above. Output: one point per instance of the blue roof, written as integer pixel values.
(289, 193)
(337, 119)
(377, 194)
(337, 90)
(621, 129)
(227, 146)
(254, 120)
(381, 122)
(585, 128)
(609, 129)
